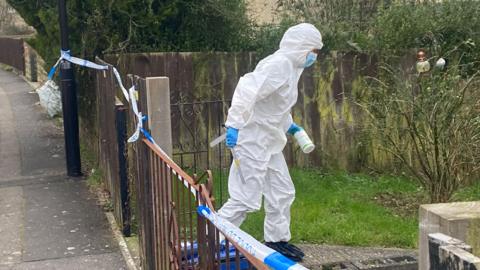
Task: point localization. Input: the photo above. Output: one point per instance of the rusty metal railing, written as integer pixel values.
(181, 239)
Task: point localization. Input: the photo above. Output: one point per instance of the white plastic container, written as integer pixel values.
(304, 141)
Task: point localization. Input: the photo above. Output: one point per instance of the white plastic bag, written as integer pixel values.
(50, 98)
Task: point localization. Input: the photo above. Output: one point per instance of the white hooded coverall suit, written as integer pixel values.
(260, 110)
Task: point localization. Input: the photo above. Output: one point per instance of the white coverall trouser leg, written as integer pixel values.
(270, 179)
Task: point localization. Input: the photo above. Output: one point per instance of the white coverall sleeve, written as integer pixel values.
(255, 86)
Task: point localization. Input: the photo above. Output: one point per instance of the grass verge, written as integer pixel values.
(94, 177)
(355, 210)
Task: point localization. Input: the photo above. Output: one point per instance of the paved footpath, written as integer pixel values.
(47, 220)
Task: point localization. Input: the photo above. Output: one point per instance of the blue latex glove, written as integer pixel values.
(294, 128)
(232, 137)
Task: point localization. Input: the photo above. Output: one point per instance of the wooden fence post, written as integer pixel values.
(159, 116)
(144, 190)
(112, 132)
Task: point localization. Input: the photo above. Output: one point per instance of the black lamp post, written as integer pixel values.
(69, 100)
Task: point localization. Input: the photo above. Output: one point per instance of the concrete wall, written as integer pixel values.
(458, 220)
(447, 253)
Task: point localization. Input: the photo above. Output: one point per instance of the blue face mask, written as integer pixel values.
(311, 58)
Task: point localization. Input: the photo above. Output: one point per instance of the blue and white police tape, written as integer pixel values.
(119, 80)
(140, 118)
(65, 55)
(130, 95)
(53, 70)
(270, 257)
(81, 62)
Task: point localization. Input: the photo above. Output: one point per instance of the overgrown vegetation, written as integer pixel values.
(430, 24)
(385, 26)
(114, 26)
(344, 24)
(90, 168)
(430, 123)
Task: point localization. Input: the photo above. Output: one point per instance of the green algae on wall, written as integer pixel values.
(328, 109)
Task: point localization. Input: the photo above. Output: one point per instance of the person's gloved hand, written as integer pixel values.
(232, 137)
(294, 128)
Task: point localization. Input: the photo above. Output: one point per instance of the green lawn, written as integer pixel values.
(354, 210)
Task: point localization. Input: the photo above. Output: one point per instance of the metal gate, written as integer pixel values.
(194, 126)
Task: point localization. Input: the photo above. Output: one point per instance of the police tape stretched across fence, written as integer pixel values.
(270, 257)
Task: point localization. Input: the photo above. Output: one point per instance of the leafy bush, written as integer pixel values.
(112, 26)
(267, 37)
(344, 24)
(389, 25)
(430, 123)
(440, 26)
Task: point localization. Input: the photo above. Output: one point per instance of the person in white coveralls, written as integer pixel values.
(257, 123)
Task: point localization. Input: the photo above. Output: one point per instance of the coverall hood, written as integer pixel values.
(298, 40)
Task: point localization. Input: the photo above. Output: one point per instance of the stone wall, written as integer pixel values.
(447, 253)
(459, 220)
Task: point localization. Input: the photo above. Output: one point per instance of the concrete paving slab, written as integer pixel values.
(107, 261)
(9, 147)
(318, 255)
(40, 141)
(11, 229)
(34, 179)
(47, 220)
(63, 220)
